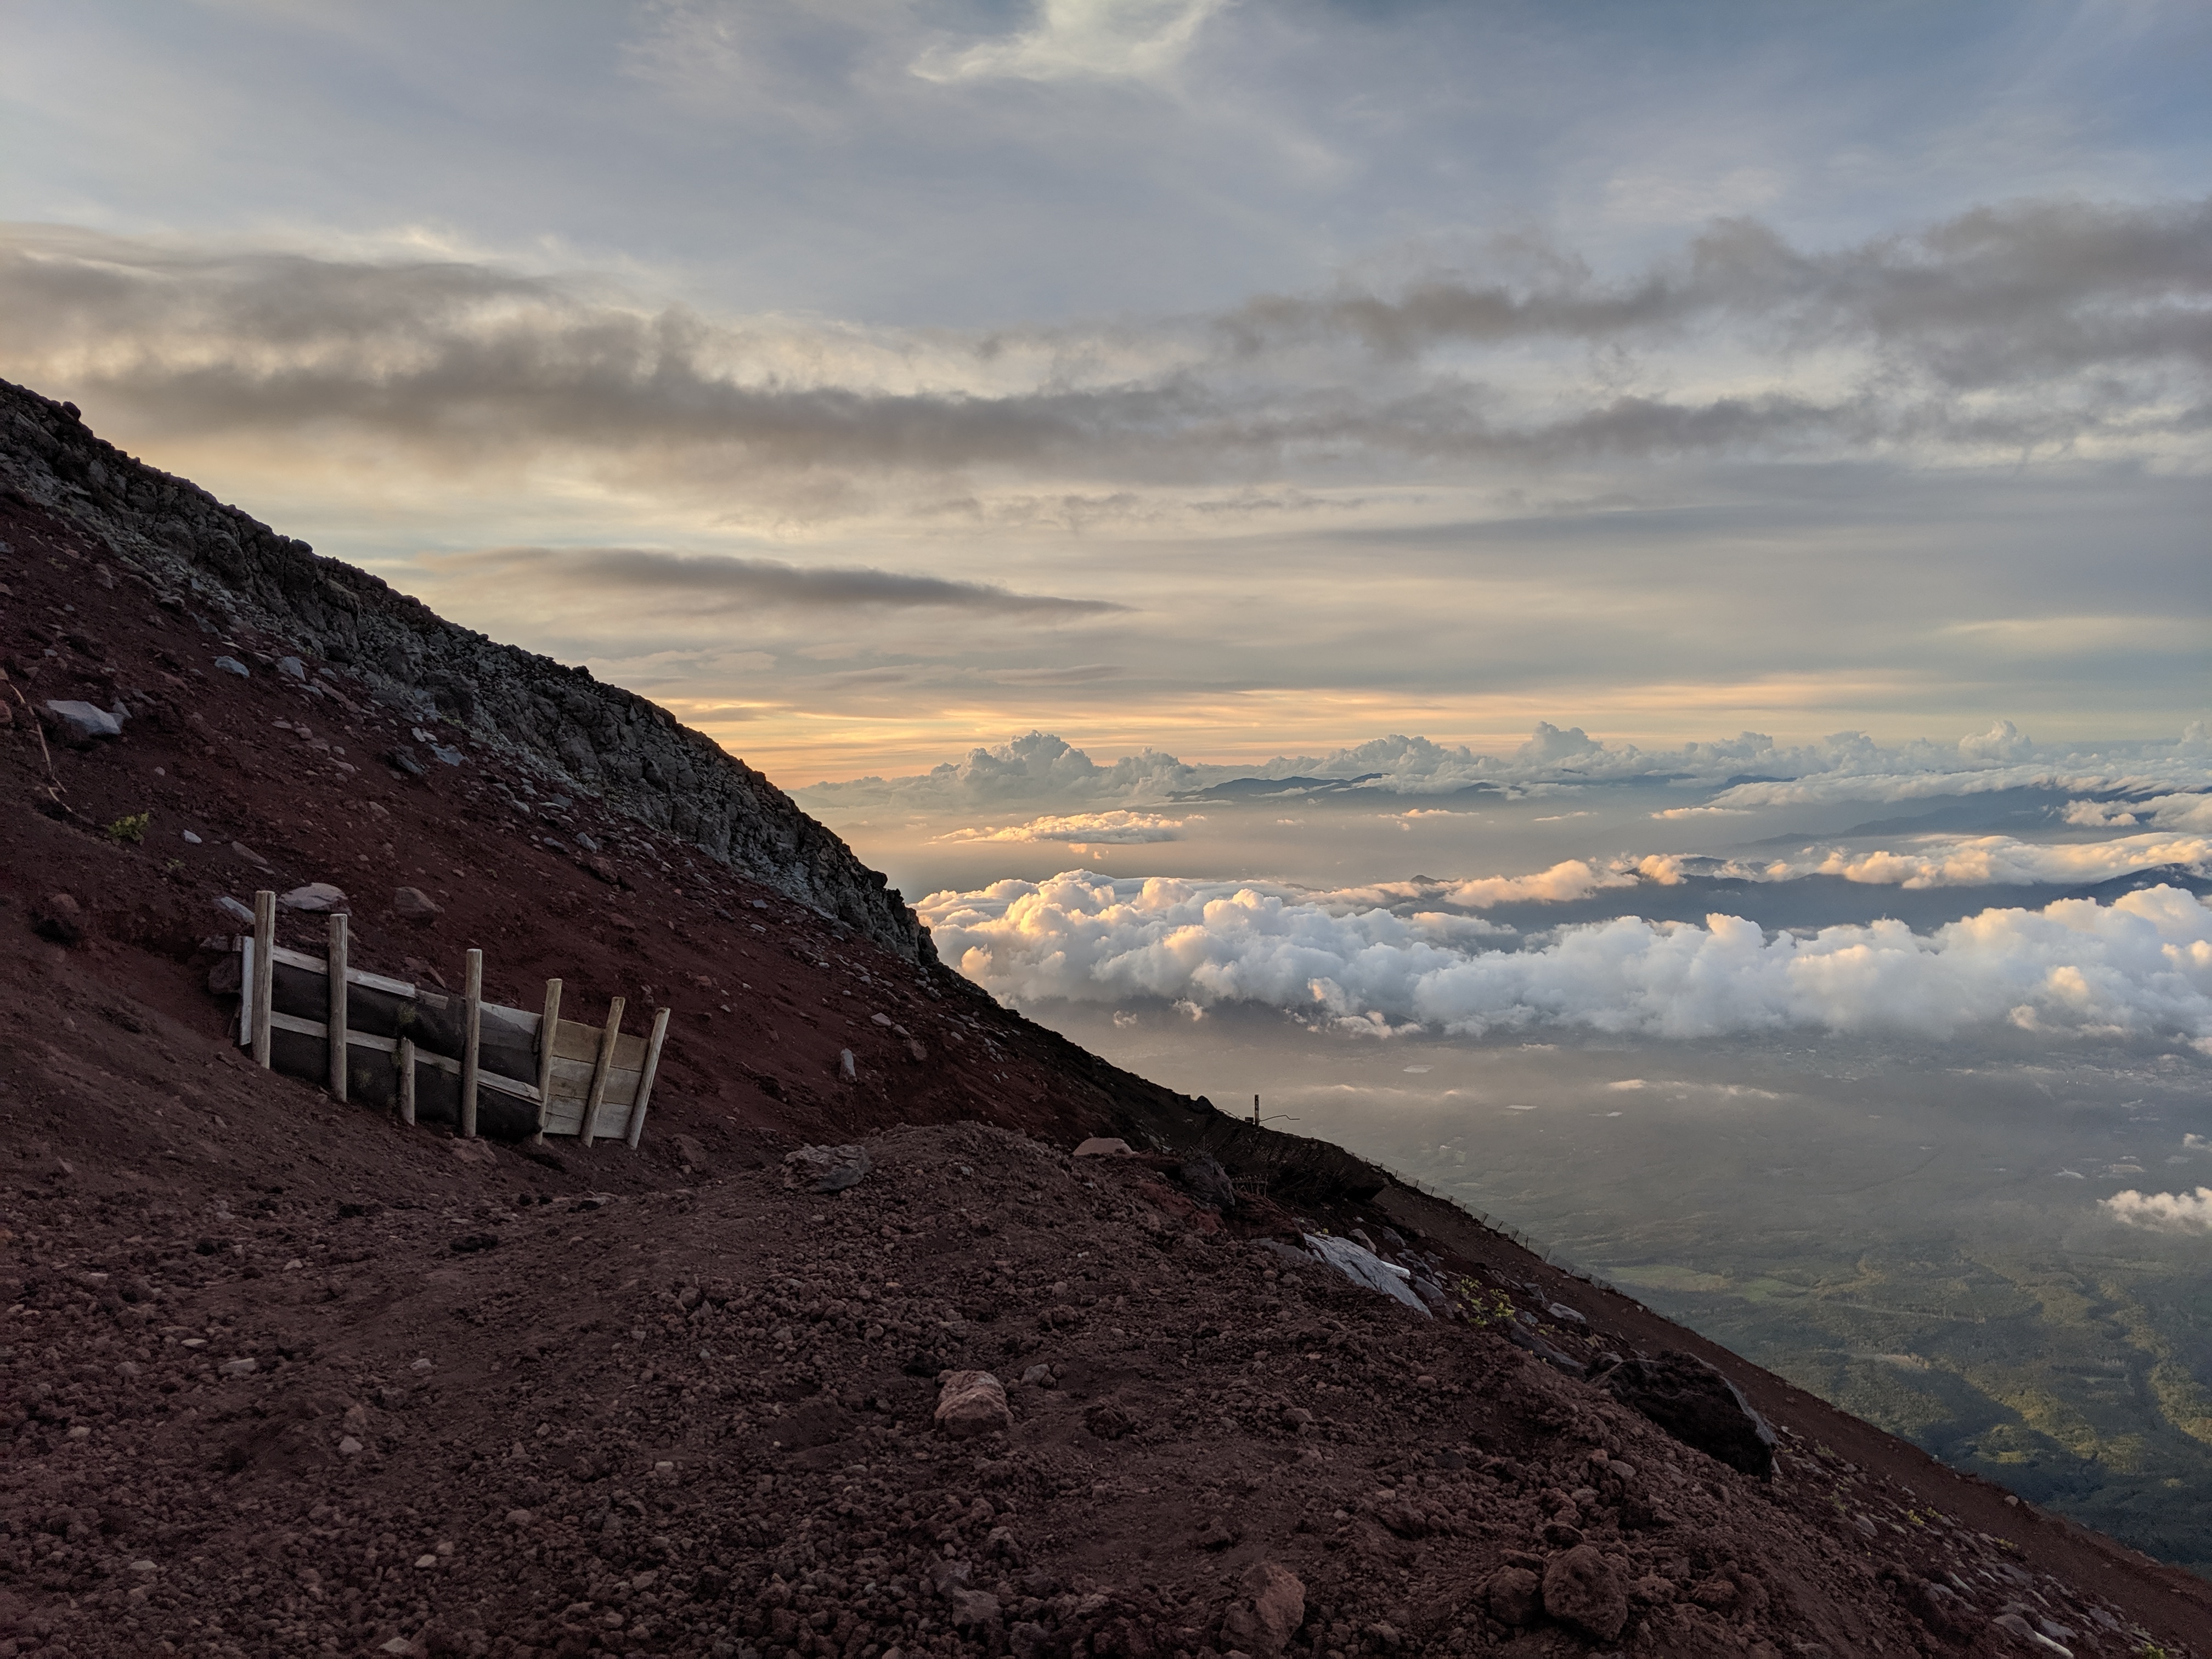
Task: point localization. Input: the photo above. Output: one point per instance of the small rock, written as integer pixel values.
(1513, 1595)
(828, 1168)
(232, 665)
(1205, 1180)
(475, 1151)
(1264, 1619)
(969, 1403)
(846, 1068)
(916, 1050)
(1037, 1376)
(1218, 1533)
(1103, 1146)
(240, 850)
(81, 722)
(973, 1609)
(402, 760)
(1108, 1421)
(414, 904)
(237, 912)
(1582, 1589)
(292, 669)
(60, 919)
(880, 1019)
(239, 1367)
(423, 1364)
(191, 839)
(316, 896)
(349, 1447)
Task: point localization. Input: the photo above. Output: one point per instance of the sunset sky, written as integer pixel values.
(869, 381)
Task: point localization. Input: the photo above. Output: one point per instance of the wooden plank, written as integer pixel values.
(574, 1082)
(360, 976)
(336, 969)
(549, 1026)
(264, 970)
(471, 1041)
(600, 1065)
(636, 1126)
(574, 1041)
(407, 1081)
(245, 994)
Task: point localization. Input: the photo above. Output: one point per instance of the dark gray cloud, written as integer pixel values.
(2019, 328)
(1983, 299)
(711, 583)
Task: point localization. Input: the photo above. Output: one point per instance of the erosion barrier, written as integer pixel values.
(433, 1057)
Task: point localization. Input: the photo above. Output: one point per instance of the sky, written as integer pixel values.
(874, 382)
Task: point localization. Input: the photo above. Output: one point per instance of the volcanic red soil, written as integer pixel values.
(282, 1377)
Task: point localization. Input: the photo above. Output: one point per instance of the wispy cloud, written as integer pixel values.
(1115, 829)
(1080, 39)
(717, 583)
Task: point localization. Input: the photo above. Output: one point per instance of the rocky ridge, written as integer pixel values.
(227, 571)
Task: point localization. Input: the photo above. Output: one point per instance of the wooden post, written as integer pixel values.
(336, 964)
(264, 970)
(471, 1035)
(407, 1081)
(549, 1027)
(600, 1068)
(645, 1078)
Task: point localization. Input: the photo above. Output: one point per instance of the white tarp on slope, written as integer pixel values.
(1365, 1268)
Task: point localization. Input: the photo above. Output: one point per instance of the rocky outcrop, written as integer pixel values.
(217, 562)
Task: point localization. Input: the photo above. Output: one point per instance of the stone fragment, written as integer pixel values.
(846, 1068)
(1103, 1146)
(237, 912)
(1697, 1405)
(315, 896)
(60, 918)
(81, 722)
(349, 1447)
(292, 669)
(1205, 1180)
(1037, 1376)
(1267, 1615)
(1513, 1595)
(1108, 1421)
(244, 1367)
(247, 855)
(970, 1403)
(828, 1168)
(973, 1609)
(1582, 1589)
(414, 904)
(402, 760)
(232, 665)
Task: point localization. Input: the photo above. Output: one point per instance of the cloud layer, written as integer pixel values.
(2178, 1213)
(2139, 967)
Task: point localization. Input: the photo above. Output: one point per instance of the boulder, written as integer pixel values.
(971, 1403)
(414, 904)
(828, 1168)
(316, 896)
(1513, 1595)
(1267, 1615)
(1697, 1405)
(1581, 1590)
(1205, 1180)
(1103, 1146)
(82, 722)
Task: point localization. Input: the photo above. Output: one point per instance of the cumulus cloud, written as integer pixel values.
(2180, 1212)
(1112, 829)
(708, 583)
(1849, 766)
(2188, 812)
(2139, 966)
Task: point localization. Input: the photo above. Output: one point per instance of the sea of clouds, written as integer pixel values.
(2139, 966)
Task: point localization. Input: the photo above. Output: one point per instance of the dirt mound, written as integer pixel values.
(282, 1377)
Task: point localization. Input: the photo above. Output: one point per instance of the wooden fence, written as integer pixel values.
(436, 1057)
